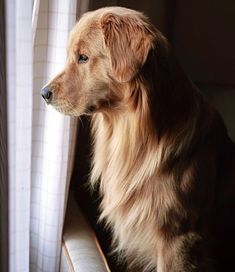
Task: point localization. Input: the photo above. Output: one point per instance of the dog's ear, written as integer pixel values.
(128, 40)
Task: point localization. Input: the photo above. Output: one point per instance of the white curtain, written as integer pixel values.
(40, 140)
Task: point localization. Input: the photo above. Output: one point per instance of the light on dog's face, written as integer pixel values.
(84, 83)
(105, 52)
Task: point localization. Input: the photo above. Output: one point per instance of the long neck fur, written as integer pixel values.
(136, 140)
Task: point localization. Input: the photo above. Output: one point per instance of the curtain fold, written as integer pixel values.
(19, 86)
(52, 137)
(40, 140)
(3, 148)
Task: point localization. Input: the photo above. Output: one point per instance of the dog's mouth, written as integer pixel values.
(65, 107)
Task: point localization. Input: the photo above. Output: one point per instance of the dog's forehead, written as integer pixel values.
(90, 21)
(85, 29)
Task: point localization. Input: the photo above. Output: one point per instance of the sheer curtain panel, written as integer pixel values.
(19, 105)
(40, 140)
(3, 149)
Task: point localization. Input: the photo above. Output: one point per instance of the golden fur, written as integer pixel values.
(162, 158)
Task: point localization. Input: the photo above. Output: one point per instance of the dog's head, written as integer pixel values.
(106, 51)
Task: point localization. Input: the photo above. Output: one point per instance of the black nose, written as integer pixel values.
(46, 94)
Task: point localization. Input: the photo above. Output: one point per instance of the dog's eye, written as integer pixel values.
(82, 58)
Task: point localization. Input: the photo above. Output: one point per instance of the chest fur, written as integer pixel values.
(136, 199)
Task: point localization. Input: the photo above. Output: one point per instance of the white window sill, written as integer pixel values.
(80, 250)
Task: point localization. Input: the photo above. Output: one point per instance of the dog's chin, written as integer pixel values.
(68, 109)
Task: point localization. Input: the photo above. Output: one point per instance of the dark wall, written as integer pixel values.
(158, 11)
(203, 36)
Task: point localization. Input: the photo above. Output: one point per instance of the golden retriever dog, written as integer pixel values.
(162, 159)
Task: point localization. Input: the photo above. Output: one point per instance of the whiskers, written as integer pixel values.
(66, 107)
